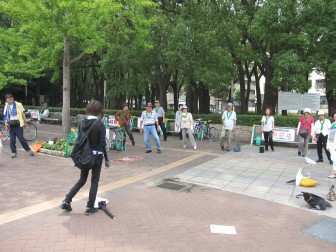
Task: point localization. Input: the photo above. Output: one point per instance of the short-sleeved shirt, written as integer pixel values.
(148, 118)
(159, 111)
(267, 123)
(307, 123)
(229, 119)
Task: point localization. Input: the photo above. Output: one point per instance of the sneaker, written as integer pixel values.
(158, 151)
(13, 155)
(299, 153)
(332, 176)
(133, 143)
(303, 155)
(195, 147)
(331, 162)
(184, 146)
(31, 153)
(90, 210)
(148, 151)
(222, 147)
(66, 206)
(319, 161)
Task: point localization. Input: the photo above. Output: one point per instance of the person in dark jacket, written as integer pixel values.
(97, 141)
(123, 117)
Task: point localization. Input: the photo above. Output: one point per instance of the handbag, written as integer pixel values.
(14, 123)
(315, 201)
(304, 132)
(331, 194)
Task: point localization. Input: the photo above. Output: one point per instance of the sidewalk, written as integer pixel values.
(217, 189)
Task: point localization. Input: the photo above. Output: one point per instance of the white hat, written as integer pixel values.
(184, 107)
(229, 104)
(321, 113)
(307, 110)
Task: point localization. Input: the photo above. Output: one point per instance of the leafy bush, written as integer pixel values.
(59, 145)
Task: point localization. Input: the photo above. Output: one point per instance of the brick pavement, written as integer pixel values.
(148, 218)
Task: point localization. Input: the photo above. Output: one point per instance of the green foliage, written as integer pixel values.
(59, 145)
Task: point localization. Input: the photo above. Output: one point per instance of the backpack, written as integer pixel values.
(82, 153)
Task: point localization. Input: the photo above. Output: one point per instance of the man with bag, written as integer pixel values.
(15, 120)
(322, 127)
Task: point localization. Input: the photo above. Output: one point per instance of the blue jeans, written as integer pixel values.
(82, 180)
(14, 132)
(151, 130)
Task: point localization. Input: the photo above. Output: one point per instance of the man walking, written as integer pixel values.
(322, 127)
(148, 121)
(123, 117)
(15, 120)
(161, 117)
(229, 119)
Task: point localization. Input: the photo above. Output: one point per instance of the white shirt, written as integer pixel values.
(148, 118)
(229, 119)
(322, 127)
(267, 123)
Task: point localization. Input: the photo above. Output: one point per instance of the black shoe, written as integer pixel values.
(165, 139)
(303, 155)
(319, 161)
(331, 162)
(66, 206)
(148, 151)
(133, 143)
(158, 151)
(222, 148)
(299, 153)
(272, 149)
(90, 210)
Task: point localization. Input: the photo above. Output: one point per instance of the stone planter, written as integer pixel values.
(52, 152)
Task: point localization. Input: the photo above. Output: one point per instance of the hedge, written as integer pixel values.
(245, 120)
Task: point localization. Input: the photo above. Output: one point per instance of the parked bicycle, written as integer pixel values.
(29, 132)
(5, 134)
(203, 128)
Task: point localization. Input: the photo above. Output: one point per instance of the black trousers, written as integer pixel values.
(322, 143)
(14, 132)
(128, 131)
(163, 128)
(268, 136)
(82, 180)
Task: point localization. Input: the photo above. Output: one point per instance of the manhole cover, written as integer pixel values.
(171, 186)
(324, 229)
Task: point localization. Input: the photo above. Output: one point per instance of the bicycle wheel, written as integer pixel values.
(213, 134)
(5, 135)
(30, 132)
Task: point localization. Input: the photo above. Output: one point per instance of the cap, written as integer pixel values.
(321, 113)
(229, 104)
(307, 110)
(157, 101)
(149, 104)
(9, 96)
(124, 104)
(184, 107)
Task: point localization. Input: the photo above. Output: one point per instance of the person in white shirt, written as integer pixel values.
(44, 114)
(177, 120)
(331, 145)
(229, 119)
(267, 127)
(186, 125)
(322, 127)
(148, 121)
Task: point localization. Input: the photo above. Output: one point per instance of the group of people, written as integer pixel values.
(152, 123)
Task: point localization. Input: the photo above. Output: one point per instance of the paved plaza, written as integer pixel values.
(166, 202)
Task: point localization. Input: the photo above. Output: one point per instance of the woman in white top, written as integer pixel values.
(267, 127)
(331, 145)
(186, 125)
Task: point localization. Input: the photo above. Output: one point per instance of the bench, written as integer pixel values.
(55, 117)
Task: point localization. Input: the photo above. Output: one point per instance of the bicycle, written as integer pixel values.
(30, 131)
(5, 134)
(202, 128)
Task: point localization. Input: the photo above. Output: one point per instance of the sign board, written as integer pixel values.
(296, 101)
(34, 113)
(284, 135)
(112, 121)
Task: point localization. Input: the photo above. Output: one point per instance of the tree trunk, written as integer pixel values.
(204, 99)
(241, 76)
(258, 93)
(330, 96)
(66, 89)
(271, 92)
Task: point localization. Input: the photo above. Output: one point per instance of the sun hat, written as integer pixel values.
(149, 104)
(307, 110)
(229, 104)
(184, 107)
(321, 113)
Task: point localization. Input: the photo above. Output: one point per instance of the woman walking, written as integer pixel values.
(267, 127)
(97, 142)
(304, 131)
(186, 125)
